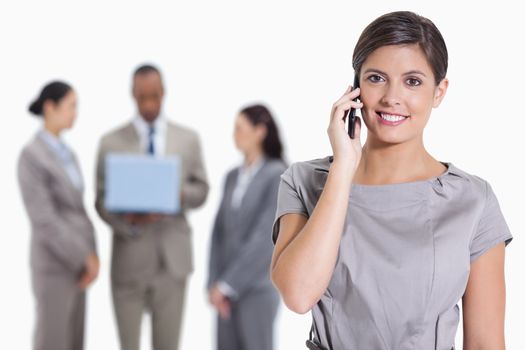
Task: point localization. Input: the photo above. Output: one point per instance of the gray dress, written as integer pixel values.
(404, 257)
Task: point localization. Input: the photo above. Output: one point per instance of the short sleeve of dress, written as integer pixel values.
(492, 228)
(288, 201)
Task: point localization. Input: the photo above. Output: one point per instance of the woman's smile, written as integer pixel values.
(390, 119)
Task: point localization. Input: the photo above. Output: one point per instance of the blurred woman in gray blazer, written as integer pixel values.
(239, 285)
(63, 251)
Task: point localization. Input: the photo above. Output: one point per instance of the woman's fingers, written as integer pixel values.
(348, 95)
(339, 110)
(348, 89)
(84, 281)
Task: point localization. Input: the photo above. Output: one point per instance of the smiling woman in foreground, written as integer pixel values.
(382, 241)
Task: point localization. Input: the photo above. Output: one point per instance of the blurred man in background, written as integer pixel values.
(152, 253)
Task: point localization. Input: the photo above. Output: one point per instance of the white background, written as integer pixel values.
(217, 56)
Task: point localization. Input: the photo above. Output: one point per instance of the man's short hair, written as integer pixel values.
(146, 69)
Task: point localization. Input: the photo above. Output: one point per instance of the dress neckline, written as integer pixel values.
(449, 169)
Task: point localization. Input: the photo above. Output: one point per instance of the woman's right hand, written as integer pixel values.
(344, 148)
(91, 270)
(220, 302)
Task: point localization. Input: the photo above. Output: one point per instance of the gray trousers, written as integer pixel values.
(250, 326)
(60, 312)
(163, 297)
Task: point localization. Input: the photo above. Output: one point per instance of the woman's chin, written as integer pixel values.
(391, 138)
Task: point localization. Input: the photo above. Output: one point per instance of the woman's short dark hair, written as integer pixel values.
(260, 115)
(403, 27)
(53, 91)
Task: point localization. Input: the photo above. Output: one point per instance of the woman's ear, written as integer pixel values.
(261, 131)
(439, 92)
(48, 107)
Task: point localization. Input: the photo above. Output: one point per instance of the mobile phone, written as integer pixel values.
(313, 346)
(351, 113)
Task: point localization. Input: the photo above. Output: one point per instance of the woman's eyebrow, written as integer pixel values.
(374, 70)
(415, 72)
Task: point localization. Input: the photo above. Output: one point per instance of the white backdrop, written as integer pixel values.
(217, 56)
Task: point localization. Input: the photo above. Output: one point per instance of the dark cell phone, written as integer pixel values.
(313, 346)
(351, 113)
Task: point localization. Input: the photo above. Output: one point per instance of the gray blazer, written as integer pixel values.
(137, 251)
(241, 247)
(62, 234)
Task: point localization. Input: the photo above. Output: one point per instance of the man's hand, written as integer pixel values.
(90, 273)
(220, 302)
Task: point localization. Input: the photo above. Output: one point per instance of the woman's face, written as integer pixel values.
(247, 137)
(62, 115)
(398, 92)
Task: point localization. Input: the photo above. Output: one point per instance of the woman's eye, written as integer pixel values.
(413, 82)
(375, 78)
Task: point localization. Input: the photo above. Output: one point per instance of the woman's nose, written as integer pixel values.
(391, 96)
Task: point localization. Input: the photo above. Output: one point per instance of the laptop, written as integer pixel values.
(142, 184)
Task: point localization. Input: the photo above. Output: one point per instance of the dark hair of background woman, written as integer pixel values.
(260, 115)
(53, 91)
(403, 27)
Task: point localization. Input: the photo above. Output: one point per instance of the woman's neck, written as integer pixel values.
(55, 131)
(396, 163)
(252, 157)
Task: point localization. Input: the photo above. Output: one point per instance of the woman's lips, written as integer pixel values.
(390, 119)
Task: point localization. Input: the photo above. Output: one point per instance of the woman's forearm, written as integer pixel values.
(304, 268)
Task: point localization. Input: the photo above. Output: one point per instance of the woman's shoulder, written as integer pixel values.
(309, 166)
(313, 165)
(31, 150)
(32, 157)
(275, 165)
(479, 196)
(470, 181)
(306, 173)
(468, 187)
